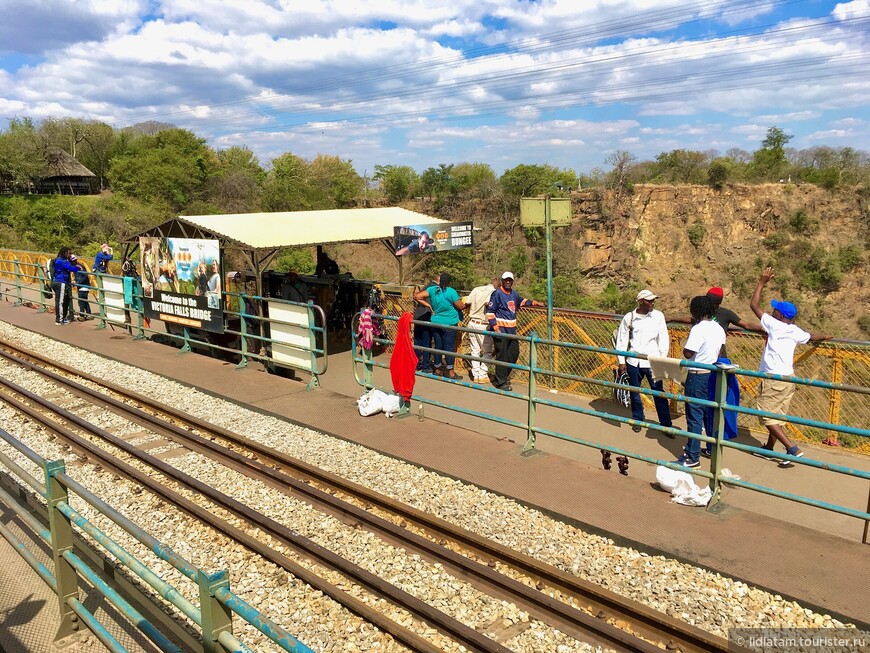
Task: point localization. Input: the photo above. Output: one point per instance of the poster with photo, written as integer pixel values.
(181, 281)
(428, 238)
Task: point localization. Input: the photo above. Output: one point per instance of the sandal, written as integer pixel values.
(450, 374)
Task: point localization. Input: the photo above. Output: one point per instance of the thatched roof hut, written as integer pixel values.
(65, 175)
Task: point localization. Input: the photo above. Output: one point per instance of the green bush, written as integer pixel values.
(803, 224)
(696, 234)
(850, 257)
(775, 240)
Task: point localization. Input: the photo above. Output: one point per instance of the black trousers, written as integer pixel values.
(507, 350)
(62, 300)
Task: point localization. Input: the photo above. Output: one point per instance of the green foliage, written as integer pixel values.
(530, 180)
(864, 323)
(696, 234)
(850, 257)
(284, 187)
(170, 167)
(332, 183)
(299, 259)
(802, 223)
(459, 263)
(717, 174)
(680, 167)
(775, 241)
(519, 261)
(769, 161)
(397, 182)
(474, 179)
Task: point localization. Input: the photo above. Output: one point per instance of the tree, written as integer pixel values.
(681, 167)
(621, 161)
(717, 174)
(769, 161)
(234, 185)
(397, 182)
(170, 167)
(530, 180)
(332, 182)
(474, 179)
(22, 154)
(284, 187)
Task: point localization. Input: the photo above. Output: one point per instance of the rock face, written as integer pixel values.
(679, 240)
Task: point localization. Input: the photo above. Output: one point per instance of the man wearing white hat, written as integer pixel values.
(643, 331)
(501, 314)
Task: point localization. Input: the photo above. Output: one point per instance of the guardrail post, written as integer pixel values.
(243, 331)
(42, 281)
(17, 271)
(61, 542)
(836, 396)
(186, 346)
(719, 433)
(368, 369)
(101, 300)
(533, 384)
(312, 345)
(216, 617)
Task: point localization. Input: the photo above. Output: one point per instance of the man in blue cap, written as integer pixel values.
(778, 358)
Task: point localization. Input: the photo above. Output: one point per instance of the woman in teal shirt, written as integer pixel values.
(446, 307)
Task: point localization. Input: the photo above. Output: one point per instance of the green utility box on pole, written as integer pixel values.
(546, 212)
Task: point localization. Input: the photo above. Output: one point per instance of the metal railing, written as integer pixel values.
(276, 343)
(217, 602)
(533, 376)
(838, 361)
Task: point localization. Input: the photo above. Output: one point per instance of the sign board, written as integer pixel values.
(291, 329)
(427, 238)
(181, 281)
(532, 211)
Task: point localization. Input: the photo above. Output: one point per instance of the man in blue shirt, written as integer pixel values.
(501, 314)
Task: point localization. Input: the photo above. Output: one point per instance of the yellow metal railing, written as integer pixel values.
(845, 362)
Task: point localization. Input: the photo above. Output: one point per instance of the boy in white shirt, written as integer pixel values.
(778, 358)
(704, 345)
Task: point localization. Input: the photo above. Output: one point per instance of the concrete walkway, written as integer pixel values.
(800, 552)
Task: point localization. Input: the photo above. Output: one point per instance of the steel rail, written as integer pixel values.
(605, 605)
(466, 636)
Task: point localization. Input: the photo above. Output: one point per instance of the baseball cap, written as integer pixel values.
(507, 275)
(73, 257)
(104, 245)
(716, 292)
(646, 294)
(787, 309)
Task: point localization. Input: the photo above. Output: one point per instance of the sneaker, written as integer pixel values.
(58, 323)
(685, 461)
(762, 455)
(636, 428)
(65, 322)
(794, 451)
(507, 387)
(707, 453)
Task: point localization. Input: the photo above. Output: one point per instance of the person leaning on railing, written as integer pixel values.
(501, 313)
(778, 358)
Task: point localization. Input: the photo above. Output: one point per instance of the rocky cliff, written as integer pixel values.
(679, 240)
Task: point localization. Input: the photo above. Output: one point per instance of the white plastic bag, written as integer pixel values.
(390, 405)
(682, 487)
(371, 403)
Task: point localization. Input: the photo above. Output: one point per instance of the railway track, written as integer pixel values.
(581, 609)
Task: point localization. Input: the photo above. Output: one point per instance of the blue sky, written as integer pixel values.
(424, 82)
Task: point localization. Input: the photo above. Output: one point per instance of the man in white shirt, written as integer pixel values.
(778, 358)
(704, 344)
(480, 343)
(644, 331)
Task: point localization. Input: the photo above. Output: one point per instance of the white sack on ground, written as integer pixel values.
(682, 487)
